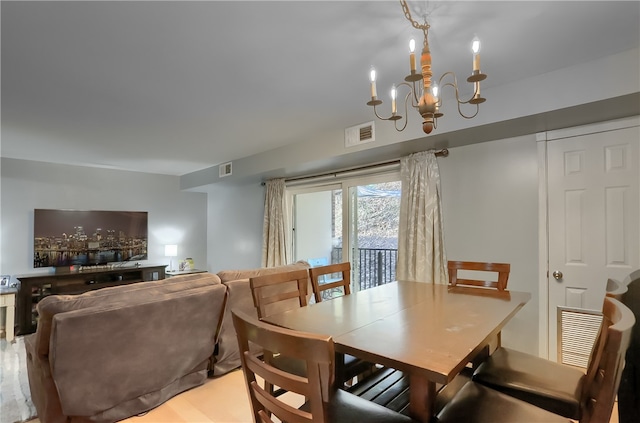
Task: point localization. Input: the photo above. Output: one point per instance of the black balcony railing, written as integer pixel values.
(372, 266)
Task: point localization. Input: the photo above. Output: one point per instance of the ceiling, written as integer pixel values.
(175, 87)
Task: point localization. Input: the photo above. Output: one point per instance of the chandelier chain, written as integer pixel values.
(407, 14)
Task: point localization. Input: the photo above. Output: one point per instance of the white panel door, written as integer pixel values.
(594, 214)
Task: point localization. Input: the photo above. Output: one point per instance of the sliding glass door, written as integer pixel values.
(354, 220)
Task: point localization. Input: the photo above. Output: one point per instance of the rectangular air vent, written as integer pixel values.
(577, 331)
(224, 170)
(359, 134)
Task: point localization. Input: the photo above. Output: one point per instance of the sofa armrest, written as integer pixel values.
(228, 357)
(43, 389)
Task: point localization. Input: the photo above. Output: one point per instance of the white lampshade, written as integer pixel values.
(171, 250)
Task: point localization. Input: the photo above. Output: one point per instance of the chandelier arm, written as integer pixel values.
(465, 116)
(454, 85)
(411, 94)
(406, 112)
(375, 111)
(403, 126)
(415, 99)
(398, 117)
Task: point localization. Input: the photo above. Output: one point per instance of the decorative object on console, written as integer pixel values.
(186, 265)
(171, 251)
(425, 99)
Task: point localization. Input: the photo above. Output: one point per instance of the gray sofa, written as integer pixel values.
(112, 353)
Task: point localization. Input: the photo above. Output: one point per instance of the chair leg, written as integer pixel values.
(481, 356)
(340, 369)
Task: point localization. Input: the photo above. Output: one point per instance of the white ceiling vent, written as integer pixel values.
(224, 170)
(359, 134)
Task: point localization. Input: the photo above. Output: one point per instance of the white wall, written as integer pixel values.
(235, 221)
(175, 217)
(490, 205)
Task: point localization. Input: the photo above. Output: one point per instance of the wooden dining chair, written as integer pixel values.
(279, 292)
(502, 269)
(500, 273)
(561, 389)
(615, 289)
(348, 366)
(321, 285)
(276, 293)
(324, 403)
(628, 391)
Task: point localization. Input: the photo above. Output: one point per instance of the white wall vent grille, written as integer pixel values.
(224, 170)
(577, 331)
(359, 134)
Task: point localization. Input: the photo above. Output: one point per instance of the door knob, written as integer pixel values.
(557, 275)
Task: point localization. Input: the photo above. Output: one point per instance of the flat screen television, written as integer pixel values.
(88, 237)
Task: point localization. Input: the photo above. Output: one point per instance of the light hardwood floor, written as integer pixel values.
(219, 400)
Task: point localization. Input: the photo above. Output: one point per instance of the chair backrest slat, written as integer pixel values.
(344, 282)
(502, 269)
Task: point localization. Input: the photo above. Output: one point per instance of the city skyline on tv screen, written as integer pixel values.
(79, 237)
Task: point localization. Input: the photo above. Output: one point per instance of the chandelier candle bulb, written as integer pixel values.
(372, 78)
(475, 47)
(412, 55)
(394, 93)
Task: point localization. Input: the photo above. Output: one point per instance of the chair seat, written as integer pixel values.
(544, 383)
(475, 403)
(348, 408)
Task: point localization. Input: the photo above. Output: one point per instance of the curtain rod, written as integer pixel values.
(439, 153)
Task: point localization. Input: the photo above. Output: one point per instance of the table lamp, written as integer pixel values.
(170, 251)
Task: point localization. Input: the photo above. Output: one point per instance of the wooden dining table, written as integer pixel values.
(430, 331)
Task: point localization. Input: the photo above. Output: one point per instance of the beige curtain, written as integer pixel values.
(421, 255)
(275, 247)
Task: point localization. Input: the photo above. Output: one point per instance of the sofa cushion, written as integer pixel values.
(121, 358)
(53, 304)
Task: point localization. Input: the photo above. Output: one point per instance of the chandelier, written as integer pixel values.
(424, 96)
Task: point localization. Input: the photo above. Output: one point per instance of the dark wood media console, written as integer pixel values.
(33, 288)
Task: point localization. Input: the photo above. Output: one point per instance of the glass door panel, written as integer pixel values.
(375, 213)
